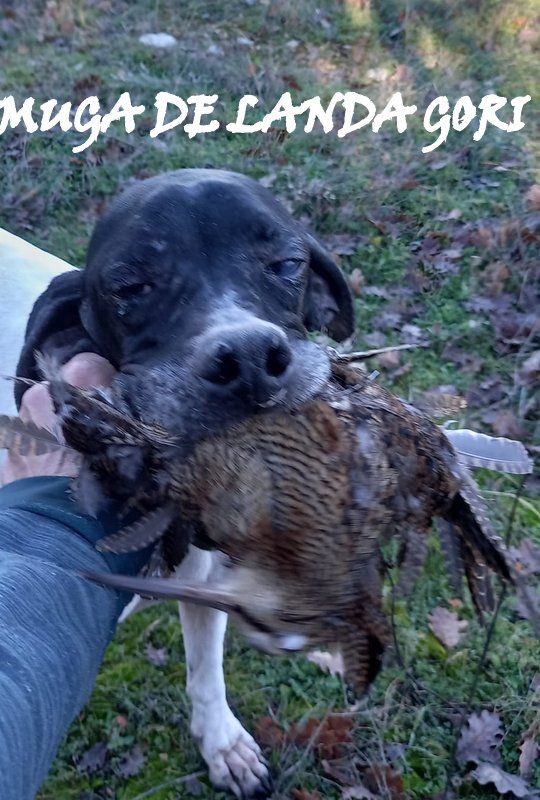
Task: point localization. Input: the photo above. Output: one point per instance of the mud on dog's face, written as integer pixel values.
(199, 287)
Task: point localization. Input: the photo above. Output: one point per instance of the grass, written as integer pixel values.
(377, 190)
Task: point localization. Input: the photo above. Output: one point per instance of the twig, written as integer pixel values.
(360, 355)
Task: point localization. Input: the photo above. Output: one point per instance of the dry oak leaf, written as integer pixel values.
(343, 770)
(527, 556)
(94, 758)
(328, 662)
(480, 738)
(268, 733)
(529, 372)
(529, 751)
(132, 763)
(158, 656)
(389, 360)
(381, 779)
(356, 281)
(328, 736)
(504, 782)
(506, 424)
(357, 792)
(446, 626)
(532, 197)
(494, 277)
(303, 794)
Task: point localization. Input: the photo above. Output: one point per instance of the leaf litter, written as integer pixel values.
(447, 627)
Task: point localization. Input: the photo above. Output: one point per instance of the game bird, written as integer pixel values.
(299, 502)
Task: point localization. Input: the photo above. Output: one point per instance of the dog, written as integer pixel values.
(200, 289)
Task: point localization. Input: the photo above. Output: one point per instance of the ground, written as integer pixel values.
(441, 249)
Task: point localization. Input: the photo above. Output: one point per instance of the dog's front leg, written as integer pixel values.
(233, 757)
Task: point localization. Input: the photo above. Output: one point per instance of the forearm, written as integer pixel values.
(54, 626)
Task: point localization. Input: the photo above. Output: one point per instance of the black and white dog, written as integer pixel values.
(200, 289)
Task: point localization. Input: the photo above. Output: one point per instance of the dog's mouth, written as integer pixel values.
(175, 396)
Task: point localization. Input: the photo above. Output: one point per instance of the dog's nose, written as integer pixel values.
(250, 362)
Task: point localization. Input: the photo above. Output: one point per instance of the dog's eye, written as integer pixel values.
(288, 268)
(133, 290)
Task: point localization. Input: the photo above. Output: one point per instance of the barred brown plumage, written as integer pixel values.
(300, 502)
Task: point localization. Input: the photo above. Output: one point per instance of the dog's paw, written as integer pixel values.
(234, 758)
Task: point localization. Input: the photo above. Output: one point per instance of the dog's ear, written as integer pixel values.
(328, 304)
(54, 327)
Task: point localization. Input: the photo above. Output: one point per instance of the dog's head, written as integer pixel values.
(199, 288)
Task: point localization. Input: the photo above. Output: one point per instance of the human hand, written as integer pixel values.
(86, 371)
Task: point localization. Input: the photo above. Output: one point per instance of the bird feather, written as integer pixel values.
(27, 438)
(490, 452)
(140, 534)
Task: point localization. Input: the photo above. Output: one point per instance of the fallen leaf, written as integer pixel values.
(158, 40)
(357, 792)
(529, 751)
(480, 738)
(446, 626)
(455, 213)
(94, 758)
(411, 334)
(193, 786)
(490, 390)
(132, 763)
(494, 277)
(528, 557)
(328, 737)
(344, 244)
(504, 782)
(343, 770)
(268, 733)
(304, 794)
(529, 372)
(87, 85)
(158, 656)
(386, 320)
(385, 222)
(515, 328)
(453, 252)
(441, 163)
(377, 291)
(356, 280)
(528, 606)
(504, 423)
(532, 197)
(328, 662)
(382, 779)
(395, 751)
(465, 360)
(482, 238)
(374, 340)
(390, 360)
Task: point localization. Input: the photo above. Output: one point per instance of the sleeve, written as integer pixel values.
(54, 626)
